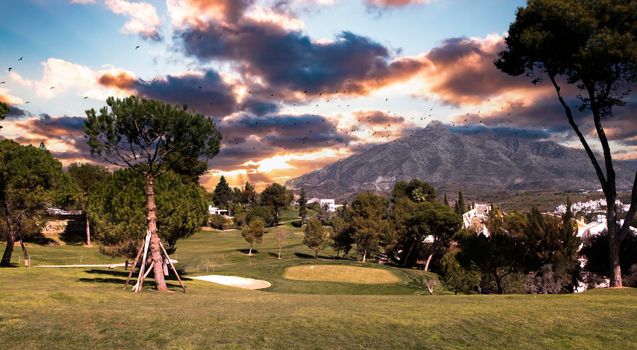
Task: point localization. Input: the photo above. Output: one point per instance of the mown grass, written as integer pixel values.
(87, 308)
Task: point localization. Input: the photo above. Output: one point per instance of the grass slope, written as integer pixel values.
(80, 308)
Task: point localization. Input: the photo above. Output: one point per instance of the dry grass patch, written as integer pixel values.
(338, 273)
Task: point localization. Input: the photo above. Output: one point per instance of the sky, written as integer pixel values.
(293, 85)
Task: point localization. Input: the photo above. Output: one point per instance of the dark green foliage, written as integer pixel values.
(416, 190)
(369, 222)
(342, 234)
(414, 221)
(500, 254)
(117, 209)
(30, 181)
(552, 247)
(265, 213)
(151, 136)
(316, 236)
(302, 205)
(276, 197)
(457, 278)
(445, 200)
(223, 195)
(249, 195)
(460, 207)
(87, 176)
(217, 221)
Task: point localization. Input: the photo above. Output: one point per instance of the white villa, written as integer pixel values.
(329, 204)
(216, 211)
(474, 219)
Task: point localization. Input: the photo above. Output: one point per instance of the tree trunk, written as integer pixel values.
(279, 253)
(155, 250)
(88, 230)
(427, 263)
(25, 252)
(614, 243)
(406, 261)
(8, 250)
(250, 252)
(316, 254)
(498, 282)
(365, 255)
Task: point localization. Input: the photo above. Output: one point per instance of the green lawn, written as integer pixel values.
(79, 308)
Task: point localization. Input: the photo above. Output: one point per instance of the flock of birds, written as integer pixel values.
(365, 129)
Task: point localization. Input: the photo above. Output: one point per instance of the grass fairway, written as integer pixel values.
(78, 308)
(339, 273)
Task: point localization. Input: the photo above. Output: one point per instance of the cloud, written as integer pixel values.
(289, 63)
(376, 117)
(143, 19)
(60, 76)
(8, 98)
(461, 72)
(82, 1)
(394, 3)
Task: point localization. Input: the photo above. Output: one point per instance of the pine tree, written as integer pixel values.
(223, 194)
(302, 205)
(446, 201)
(461, 208)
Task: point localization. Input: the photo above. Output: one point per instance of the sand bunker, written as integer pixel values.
(234, 281)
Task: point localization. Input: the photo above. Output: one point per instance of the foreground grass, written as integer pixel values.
(74, 309)
(79, 308)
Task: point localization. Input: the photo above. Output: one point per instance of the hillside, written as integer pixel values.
(483, 161)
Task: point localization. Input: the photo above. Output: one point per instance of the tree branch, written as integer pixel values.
(571, 121)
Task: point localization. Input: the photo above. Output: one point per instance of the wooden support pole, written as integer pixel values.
(173, 267)
(130, 274)
(140, 277)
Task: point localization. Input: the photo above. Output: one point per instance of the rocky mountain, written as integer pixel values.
(452, 159)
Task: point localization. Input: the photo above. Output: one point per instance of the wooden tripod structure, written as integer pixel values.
(146, 266)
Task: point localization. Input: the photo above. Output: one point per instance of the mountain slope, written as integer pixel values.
(481, 161)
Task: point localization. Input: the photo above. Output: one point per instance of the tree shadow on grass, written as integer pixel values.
(246, 251)
(119, 277)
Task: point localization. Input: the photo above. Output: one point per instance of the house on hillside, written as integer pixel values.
(474, 220)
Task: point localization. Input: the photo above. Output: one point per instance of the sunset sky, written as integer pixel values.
(293, 85)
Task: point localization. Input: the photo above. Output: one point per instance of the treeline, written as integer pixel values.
(113, 203)
(523, 253)
(245, 204)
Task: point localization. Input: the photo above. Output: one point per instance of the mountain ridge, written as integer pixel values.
(475, 159)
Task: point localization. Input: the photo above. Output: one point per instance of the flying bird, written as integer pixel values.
(137, 47)
(20, 59)
(10, 68)
(85, 97)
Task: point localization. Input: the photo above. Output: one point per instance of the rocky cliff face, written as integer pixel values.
(483, 160)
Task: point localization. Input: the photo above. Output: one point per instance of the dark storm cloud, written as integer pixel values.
(206, 93)
(291, 62)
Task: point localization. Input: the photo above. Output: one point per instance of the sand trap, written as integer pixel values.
(340, 273)
(234, 281)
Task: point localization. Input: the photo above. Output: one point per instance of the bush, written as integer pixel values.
(217, 221)
(262, 212)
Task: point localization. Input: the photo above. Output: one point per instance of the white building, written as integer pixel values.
(476, 217)
(329, 204)
(216, 211)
